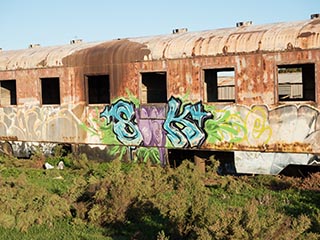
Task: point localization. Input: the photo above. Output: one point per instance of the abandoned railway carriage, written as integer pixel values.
(249, 93)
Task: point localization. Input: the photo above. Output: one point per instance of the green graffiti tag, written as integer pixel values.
(98, 127)
(145, 154)
(224, 126)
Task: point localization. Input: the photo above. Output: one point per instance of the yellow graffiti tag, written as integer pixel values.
(257, 125)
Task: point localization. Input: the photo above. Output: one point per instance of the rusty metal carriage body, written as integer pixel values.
(148, 97)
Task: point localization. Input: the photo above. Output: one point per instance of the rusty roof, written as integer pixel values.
(244, 39)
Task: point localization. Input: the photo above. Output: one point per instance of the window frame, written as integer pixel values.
(144, 96)
(217, 69)
(296, 65)
(42, 92)
(12, 92)
(87, 78)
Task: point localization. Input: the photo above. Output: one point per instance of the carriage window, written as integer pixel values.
(98, 89)
(296, 82)
(219, 85)
(8, 92)
(50, 90)
(154, 87)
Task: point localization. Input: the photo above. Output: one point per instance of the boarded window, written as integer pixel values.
(8, 92)
(98, 89)
(50, 90)
(296, 82)
(154, 87)
(219, 85)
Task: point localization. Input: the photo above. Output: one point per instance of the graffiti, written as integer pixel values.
(33, 125)
(225, 126)
(122, 115)
(184, 127)
(99, 131)
(275, 138)
(270, 163)
(144, 154)
(258, 126)
(150, 120)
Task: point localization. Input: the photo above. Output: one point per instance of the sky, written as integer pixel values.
(56, 22)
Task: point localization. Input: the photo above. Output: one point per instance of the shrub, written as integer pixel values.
(143, 201)
(24, 204)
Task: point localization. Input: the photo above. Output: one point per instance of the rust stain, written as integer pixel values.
(315, 22)
(262, 38)
(113, 52)
(253, 53)
(8, 138)
(278, 147)
(306, 34)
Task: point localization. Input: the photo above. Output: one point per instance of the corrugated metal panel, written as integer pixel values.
(226, 92)
(38, 57)
(285, 89)
(296, 91)
(244, 39)
(290, 77)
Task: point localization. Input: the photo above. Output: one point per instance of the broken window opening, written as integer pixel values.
(98, 89)
(50, 90)
(8, 92)
(296, 82)
(154, 87)
(219, 85)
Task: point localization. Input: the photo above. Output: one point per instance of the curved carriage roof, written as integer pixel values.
(245, 39)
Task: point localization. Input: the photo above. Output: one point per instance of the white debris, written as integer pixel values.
(60, 165)
(48, 166)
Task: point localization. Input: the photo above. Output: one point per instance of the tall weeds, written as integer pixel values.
(144, 201)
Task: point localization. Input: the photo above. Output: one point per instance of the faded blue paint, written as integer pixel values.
(185, 126)
(122, 114)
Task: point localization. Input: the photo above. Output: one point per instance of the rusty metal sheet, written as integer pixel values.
(244, 39)
(38, 57)
(113, 52)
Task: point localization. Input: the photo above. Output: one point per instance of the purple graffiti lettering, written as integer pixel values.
(185, 128)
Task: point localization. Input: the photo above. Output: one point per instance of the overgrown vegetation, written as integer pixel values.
(116, 200)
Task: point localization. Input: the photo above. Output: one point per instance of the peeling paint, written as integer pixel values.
(253, 120)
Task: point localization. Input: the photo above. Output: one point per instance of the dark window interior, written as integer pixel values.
(296, 82)
(8, 92)
(98, 89)
(154, 87)
(219, 85)
(203, 158)
(50, 90)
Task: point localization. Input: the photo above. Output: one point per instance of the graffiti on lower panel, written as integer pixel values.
(225, 126)
(258, 126)
(144, 154)
(122, 115)
(180, 123)
(99, 131)
(118, 123)
(184, 125)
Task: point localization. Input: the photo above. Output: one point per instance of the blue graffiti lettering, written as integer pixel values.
(122, 114)
(185, 128)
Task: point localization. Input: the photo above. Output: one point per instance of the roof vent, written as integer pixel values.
(316, 15)
(179, 30)
(75, 41)
(34, 45)
(244, 24)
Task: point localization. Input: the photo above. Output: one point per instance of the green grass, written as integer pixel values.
(61, 229)
(91, 200)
